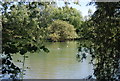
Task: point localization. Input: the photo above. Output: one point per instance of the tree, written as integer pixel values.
(20, 33)
(50, 13)
(104, 35)
(71, 15)
(61, 30)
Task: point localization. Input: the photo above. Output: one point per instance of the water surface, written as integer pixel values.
(59, 63)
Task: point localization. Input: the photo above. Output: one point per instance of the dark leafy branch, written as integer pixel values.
(104, 34)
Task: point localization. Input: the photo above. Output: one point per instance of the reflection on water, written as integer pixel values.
(59, 63)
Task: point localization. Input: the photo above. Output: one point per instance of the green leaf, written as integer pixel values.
(23, 51)
(46, 50)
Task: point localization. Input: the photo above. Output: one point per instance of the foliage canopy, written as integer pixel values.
(60, 31)
(103, 31)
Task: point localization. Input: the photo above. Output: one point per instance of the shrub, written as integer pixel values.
(61, 30)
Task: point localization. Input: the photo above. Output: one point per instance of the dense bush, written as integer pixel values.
(60, 30)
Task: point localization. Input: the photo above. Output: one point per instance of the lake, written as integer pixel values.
(59, 63)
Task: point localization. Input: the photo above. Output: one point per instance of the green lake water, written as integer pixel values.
(59, 63)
